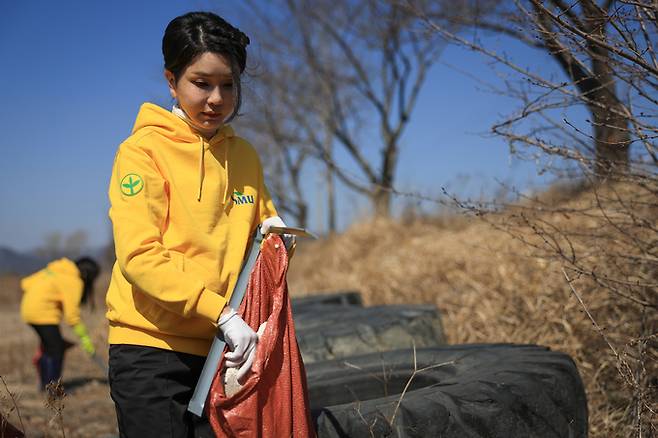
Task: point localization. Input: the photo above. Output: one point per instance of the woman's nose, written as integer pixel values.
(215, 97)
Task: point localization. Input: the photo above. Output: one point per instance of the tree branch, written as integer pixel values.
(596, 41)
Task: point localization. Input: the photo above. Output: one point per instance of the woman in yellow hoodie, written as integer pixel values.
(186, 196)
(57, 290)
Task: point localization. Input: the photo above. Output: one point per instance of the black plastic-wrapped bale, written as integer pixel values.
(338, 298)
(333, 331)
(463, 391)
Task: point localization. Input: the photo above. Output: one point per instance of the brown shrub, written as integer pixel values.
(503, 279)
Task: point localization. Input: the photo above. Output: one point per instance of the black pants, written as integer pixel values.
(151, 388)
(52, 360)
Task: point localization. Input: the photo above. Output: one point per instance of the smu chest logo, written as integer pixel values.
(240, 199)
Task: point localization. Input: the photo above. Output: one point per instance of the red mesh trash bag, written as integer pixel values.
(273, 401)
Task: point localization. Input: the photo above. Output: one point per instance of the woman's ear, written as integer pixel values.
(171, 82)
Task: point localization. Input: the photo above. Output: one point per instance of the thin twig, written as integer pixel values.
(15, 403)
(406, 387)
(628, 374)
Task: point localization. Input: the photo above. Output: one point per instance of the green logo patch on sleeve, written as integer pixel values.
(131, 184)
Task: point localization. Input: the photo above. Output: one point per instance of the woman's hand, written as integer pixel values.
(276, 221)
(85, 342)
(239, 337)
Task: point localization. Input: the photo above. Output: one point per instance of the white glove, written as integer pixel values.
(232, 377)
(246, 366)
(239, 337)
(276, 221)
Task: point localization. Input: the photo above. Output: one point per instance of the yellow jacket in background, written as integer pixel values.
(48, 293)
(183, 211)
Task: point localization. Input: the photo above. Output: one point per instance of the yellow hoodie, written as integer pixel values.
(183, 210)
(48, 293)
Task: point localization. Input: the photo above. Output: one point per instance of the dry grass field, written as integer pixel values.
(87, 410)
(500, 279)
(489, 285)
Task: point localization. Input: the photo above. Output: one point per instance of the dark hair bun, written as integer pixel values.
(194, 33)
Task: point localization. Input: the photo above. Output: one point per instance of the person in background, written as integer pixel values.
(55, 291)
(186, 195)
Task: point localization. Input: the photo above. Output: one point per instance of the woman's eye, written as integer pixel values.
(228, 85)
(201, 84)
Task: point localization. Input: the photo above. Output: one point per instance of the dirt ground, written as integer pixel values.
(87, 410)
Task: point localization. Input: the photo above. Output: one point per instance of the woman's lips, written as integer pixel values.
(212, 115)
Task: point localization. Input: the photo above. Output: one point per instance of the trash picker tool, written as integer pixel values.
(100, 362)
(301, 232)
(198, 400)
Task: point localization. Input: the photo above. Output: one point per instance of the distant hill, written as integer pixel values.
(14, 262)
(23, 263)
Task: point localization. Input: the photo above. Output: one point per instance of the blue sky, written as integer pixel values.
(74, 74)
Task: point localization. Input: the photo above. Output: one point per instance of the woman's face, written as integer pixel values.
(204, 91)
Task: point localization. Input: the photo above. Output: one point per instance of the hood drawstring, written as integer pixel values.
(226, 174)
(202, 170)
(202, 167)
(202, 152)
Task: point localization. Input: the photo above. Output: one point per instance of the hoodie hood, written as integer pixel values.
(172, 126)
(51, 293)
(61, 266)
(154, 118)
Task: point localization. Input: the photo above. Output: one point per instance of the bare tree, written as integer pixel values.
(604, 237)
(58, 245)
(600, 47)
(52, 245)
(75, 243)
(348, 75)
(284, 155)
